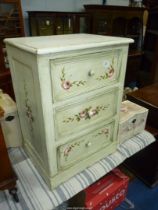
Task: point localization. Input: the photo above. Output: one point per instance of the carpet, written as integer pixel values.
(34, 193)
(143, 197)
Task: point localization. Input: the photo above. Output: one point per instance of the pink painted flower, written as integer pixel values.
(92, 112)
(66, 85)
(66, 151)
(105, 131)
(82, 114)
(124, 109)
(111, 72)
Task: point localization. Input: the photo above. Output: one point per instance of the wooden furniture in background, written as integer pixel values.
(147, 97)
(150, 61)
(144, 164)
(125, 22)
(7, 175)
(11, 25)
(150, 3)
(43, 23)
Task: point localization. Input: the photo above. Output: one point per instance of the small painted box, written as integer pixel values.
(108, 192)
(132, 120)
(10, 121)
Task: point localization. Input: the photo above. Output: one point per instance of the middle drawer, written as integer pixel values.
(88, 111)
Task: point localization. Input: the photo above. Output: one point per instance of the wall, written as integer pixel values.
(61, 5)
(45, 5)
(79, 3)
(56, 5)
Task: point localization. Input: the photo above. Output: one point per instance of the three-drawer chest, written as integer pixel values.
(68, 91)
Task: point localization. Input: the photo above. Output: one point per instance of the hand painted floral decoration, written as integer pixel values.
(87, 113)
(109, 72)
(104, 131)
(28, 108)
(69, 149)
(66, 84)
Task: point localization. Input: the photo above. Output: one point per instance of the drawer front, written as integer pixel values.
(73, 76)
(85, 146)
(85, 113)
(140, 122)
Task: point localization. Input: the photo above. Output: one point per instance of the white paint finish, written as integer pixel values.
(41, 116)
(60, 43)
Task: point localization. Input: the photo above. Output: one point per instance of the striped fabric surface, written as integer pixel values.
(33, 191)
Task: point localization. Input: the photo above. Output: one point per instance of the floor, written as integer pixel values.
(141, 196)
(34, 193)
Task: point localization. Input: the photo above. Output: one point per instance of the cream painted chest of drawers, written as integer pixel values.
(68, 90)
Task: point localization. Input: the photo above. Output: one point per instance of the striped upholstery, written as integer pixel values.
(34, 193)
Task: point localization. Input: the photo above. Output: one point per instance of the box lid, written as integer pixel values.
(129, 109)
(67, 42)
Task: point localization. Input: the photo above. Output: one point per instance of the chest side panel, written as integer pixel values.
(28, 99)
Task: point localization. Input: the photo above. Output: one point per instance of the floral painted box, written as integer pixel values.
(68, 91)
(132, 120)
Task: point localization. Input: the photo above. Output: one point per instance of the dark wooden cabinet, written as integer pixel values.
(150, 3)
(150, 61)
(6, 83)
(125, 22)
(43, 23)
(97, 19)
(11, 25)
(7, 175)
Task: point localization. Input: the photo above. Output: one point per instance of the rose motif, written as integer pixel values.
(82, 114)
(86, 114)
(124, 109)
(111, 72)
(69, 149)
(92, 112)
(105, 131)
(29, 114)
(66, 85)
(66, 151)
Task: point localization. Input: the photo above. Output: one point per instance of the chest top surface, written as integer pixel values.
(59, 43)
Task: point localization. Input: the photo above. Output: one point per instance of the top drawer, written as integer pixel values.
(73, 76)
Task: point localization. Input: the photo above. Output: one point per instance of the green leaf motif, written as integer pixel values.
(71, 83)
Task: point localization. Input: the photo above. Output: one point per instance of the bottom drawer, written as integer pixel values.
(78, 149)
